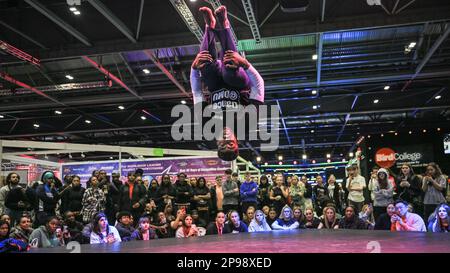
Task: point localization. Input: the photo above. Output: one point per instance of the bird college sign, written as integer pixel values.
(417, 156)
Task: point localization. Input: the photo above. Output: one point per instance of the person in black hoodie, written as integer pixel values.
(48, 197)
(263, 192)
(183, 190)
(166, 192)
(72, 197)
(73, 227)
(383, 222)
(202, 198)
(351, 220)
(152, 192)
(113, 197)
(124, 226)
(321, 195)
(409, 188)
(132, 197)
(17, 200)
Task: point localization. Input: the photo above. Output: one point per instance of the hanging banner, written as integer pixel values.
(209, 168)
(415, 155)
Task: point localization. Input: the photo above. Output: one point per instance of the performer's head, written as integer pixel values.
(227, 148)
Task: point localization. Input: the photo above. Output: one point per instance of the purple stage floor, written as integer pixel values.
(297, 241)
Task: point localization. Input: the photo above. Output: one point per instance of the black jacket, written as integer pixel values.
(17, 194)
(152, 194)
(309, 190)
(47, 200)
(181, 190)
(71, 199)
(413, 192)
(354, 223)
(125, 232)
(212, 229)
(139, 195)
(383, 222)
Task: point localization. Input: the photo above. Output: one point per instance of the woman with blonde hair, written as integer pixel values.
(259, 223)
(296, 192)
(329, 220)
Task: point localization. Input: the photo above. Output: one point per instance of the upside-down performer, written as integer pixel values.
(230, 79)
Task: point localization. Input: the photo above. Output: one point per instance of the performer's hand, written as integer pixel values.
(201, 60)
(234, 60)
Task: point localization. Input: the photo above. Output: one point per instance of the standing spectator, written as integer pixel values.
(279, 194)
(93, 201)
(235, 178)
(308, 192)
(72, 198)
(143, 232)
(166, 192)
(183, 190)
(236, 225)
(329, 220)
(202, 198)
(152, 191)
(218, 193)
(124, 226)
(409, 188)
(355, 186)
(286, 220)
(249, 215)
(334, 192)
(218, 226)
(230, 193)
(259, 223)
(48, 197)
(6, 218)
(402, 220)
(321, 195)
(102, 232)
(263, 191)
(383, 192)
(249, 192)
(193, 182)
(373, 177)
(310, 220)
(297, 192)
(299, 217)
(383, 222)
(351, 220)
(113, 197)
(48, 235)
(23, 230)
(434, 186)
(17, 201)
(132, 197)
(440, 222)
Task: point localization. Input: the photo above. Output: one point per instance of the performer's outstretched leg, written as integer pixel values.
(236, 78)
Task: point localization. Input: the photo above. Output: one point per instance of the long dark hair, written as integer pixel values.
(438, 171)
(96, 226)
(440, 225)
(168, 185)
(411, 172)
(3, 222)
(383, 182)
(201, 178)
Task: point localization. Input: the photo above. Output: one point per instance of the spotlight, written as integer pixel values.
(314, 57)
(304, 157)
(88, 121)
(258, 159)
(351, 154)
(183, 102)
(314, 92)
(69, 77)
(437, 97)
(146, 71)
(36, 125)
(376, 101)
(387, 87)
(314, 162)
(280, 163)
(121, 107)
(58, 112)
(143, 118)
(328, 155)
(328, 160)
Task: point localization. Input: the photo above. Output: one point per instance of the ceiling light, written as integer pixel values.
(36, 125)
(315, 107)
(382, 135)
(258, 159)
(312, 131)
(280, 157)
(70, 156)
(73, 9)
(146, 71)
(343, 160)
(412, 44)
(121, 107)
(328, 155)
(83, 155)
(424, 130)
(314, 162)
(69, 77)
(351, 154)
(328, 160)
(88, 121)
(314, 57)
(58, 112)
(304, 156)
(314, 92)
(437, 97)
(376, 101)
(280, 163)
(387, 87)
(295, 162)
(2, 116)
(265, 163)
(77, 12)
(410, 132)
(111, 157)
(438, 129)
(396, 133)
(143, 118)
(183, 102)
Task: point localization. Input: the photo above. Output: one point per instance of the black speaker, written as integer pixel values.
(294, 5)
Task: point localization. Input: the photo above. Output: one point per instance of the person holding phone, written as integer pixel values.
(402, 220)
(102, 232)
(434, 186)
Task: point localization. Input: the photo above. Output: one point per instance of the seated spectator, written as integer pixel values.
(310, 220)
(23, 230)
(187, 229)
(248, 193)
(74, 227)
(218, 226)
(178, 222)
(236, 225)
(162, 227)
(124, 226)
(329, 220)
(5, 230)
(265, 210)
(286, 220)
(249, 215)
(102, 232)
(168, 212)
(351, 220)
(199, 222)
(440, 220)
(403, 220)
(299, 217)
(367, 215)
(272, 216)
(383, 222)
(86, 233)
(259, 223)
(46, 235)
(143, 232)
(150, 211)
(6, 218)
